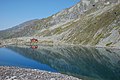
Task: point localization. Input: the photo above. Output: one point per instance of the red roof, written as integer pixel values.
(34, 40)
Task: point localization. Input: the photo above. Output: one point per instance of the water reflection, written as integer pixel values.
(34, 46)
(82, 62)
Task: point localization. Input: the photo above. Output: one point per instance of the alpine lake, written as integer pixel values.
(86, 63)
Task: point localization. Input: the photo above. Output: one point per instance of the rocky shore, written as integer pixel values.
(15, 73)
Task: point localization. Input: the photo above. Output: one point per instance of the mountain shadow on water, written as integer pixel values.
(81, 62)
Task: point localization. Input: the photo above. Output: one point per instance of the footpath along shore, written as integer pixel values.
(16, 73)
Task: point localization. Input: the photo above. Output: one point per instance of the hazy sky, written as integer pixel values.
(14, 12)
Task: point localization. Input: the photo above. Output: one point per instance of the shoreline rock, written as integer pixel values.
(16, 73)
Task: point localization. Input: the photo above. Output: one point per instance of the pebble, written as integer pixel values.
(15, 73)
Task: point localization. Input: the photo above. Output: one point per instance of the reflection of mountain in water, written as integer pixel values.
(97, 63)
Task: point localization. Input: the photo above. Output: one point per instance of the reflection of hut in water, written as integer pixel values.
(34, 47)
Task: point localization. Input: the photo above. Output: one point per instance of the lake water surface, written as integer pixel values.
(82, 62)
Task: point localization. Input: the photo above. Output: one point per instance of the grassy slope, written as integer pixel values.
(85, 29)
(92, 26)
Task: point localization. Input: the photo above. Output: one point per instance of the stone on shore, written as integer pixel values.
(15, 73)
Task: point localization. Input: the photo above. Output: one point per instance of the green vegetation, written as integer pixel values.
(85, 29)
(108, 44)
(46, 33)
(98, 37)
(57, 30)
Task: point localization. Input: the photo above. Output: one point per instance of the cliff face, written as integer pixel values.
(89, 22)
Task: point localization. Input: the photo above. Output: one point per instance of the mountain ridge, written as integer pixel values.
(89, 22)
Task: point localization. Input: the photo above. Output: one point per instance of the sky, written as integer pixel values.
(14, 12)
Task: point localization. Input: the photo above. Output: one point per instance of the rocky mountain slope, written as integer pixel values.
(89, 22)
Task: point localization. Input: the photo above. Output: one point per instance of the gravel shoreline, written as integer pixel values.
(16, 73)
